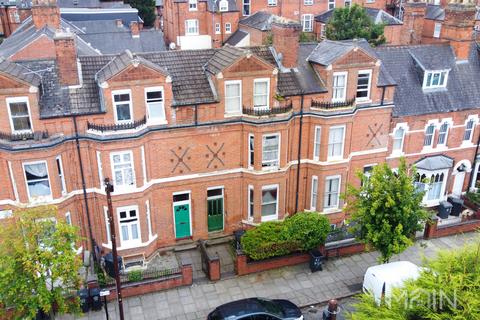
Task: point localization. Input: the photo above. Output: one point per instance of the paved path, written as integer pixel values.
(341, 277)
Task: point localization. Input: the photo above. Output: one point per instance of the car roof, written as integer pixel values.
(244, 307)
(395, 272)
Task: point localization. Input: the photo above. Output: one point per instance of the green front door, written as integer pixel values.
(215, 210)
(182, 220)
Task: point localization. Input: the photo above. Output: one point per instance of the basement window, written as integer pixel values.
(435, 79)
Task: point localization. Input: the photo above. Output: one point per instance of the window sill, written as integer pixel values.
(363, 101)
(231, 115)
(467, 144)
(335, 159)
(269, 218)
(123, 190)
(131, 246)
(331, 210)
(271, 168)
(41, 199)
(156, 122)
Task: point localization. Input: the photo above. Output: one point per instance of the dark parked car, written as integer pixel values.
(257, 309)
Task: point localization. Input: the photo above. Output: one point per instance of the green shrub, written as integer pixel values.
(135, 276)
(301, 232)
(474, 197)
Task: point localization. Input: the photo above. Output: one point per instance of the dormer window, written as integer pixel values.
(122, 106)
(223, 5)
(339, 91)
(435, 79)
(192, 5)
(19, 114)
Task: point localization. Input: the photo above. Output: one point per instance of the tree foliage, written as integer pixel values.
(146, 10)
(301, 232)
(386, 210)
(38, 264)
(354, 23)
(448, 289)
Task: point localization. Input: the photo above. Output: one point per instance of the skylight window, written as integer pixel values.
(435, 79)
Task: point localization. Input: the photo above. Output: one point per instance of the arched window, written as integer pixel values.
(398, 139)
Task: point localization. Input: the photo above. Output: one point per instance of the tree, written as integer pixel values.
(146, 10)
(386, 210)
(354, 23)
(448, 288)
(38, 264)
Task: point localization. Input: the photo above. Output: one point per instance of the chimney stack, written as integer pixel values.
(413, 18)
(285, 41)
(135, 29)
(45, 12)
(458, 27)
(66, 58)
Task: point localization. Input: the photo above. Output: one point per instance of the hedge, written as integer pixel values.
(301, 232)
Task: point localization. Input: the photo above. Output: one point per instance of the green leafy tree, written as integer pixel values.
(386, 210)
(38, 264)
(146, 10)
(448, 289)
(354, 23)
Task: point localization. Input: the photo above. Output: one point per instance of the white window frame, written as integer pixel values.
(251, 151)
(218, 29)
(367, 98)
(223, 5)
(445, 140)
(100, 168)
(474, 119)
(130, 105)
(155, 120)
(437, 29)
(399, 127)
(246, 3)
(17, 100)
(276, 163)
(251, 202)
(260, 80)
(323, 30)
(120, 188)
(233, 82)
(427, 85)
(38, 198)
(331, 157)
(124, 244)
(337, 204)
(68, 218)
(308, 2)
(107, 227)
(192, 5)
(425, 134)
(314, 194)
(344, 93)
(61, 174)
(196, 26)
(317, 141)
(149, 219)
(306, 28)
(5, 214)
(273, 216)
(442, 196)
(228, 28)
(272, 3)
(331, 4)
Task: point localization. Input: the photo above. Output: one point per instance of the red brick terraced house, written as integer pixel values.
(199, 143)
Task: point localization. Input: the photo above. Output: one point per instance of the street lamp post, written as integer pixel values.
(109, 190)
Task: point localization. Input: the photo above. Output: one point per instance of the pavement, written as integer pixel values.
(341, 277)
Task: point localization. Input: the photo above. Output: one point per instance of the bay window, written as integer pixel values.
(251, 203)
(336, 136)
(129, 226)
(122, 169)
(38, 183)
(316, 143)
(331, 197)
(314, 193)
(19, 112)
(271, 150)
(61, 175)
(269, 202)
(251, 150)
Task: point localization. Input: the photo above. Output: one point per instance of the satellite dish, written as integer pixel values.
(172, 46)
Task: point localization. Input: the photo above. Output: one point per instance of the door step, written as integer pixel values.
(218, 238)
(184, 245)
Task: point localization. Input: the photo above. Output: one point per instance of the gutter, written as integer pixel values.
(474, 163)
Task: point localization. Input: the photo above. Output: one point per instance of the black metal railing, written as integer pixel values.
(143, 275)
(117, 127)
(332, 105)
(260, 111)
(39, 135)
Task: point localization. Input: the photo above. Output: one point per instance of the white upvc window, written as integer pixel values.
(272, 2)
(251, 202)
(192, 5)
(331, 4)
(271, 150)
(314, 194)
(100, 168)
(339, 91)
(37, 179)
(217, 28)
(331, 197)
(398, 138)
(443, 134)
(308, 2)
(233, 97)
(435, 79)
(61, 174)
(149, 219)
(19, 113)
(129, 226)
(261, 90)
(223, 5)
(107, 226)
(434, 183)
(154, 99)
(191, 27)
(363, 85)
(251, 151)
(122, 106)
(246, 7)
(336, 137)
(307, 22)
(68, 218)
(122, 169)
(228, 27)
(469, 127)
(317, 142)
(437, 30)
(429, 133)
(270, 202)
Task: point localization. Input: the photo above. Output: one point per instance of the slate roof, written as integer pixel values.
(17, 71)
(440, 59)
(72, 3)
(437, 162)
(90, 14)
(307, 78)
(435, 12)
(463, 83)
(260, 20)
(214, 6)
(223, 58)
(236, 37)
(377, 15)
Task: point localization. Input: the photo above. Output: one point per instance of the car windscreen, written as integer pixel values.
(271, 307)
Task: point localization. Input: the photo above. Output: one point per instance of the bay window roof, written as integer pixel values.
(433, 163)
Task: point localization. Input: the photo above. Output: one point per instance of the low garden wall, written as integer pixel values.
(433, 230)
(210, 262)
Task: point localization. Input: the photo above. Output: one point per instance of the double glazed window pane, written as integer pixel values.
(270, 151)
(398, 139)
(37, 179)
(442, 135)
(363, 84)
(269, 202)
(232, 98)
(260, 94)
(331, 193)
(429, 135)
(155, 105)
(122, 105)
(335, 142)
(339, 87)
(20, 116)
(122, 166)
(468, 130)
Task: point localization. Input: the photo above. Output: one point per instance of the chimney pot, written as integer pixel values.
(135, 29)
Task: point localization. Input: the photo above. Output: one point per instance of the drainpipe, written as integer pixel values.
(299, 155)
(196, 114)
(383, 96)
(84, 188)
(474, 164)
